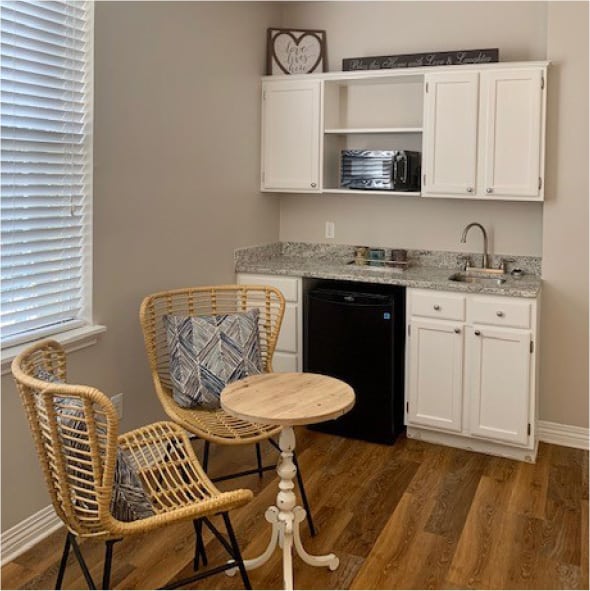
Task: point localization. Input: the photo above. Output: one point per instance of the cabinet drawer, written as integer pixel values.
(289, 286)
(500, 312)
(435, 304)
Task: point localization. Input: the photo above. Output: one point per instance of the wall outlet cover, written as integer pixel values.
(330, 229)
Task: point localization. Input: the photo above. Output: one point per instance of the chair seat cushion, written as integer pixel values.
(209, 352)
(129, 500)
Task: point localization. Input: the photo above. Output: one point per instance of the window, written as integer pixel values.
(46, 191)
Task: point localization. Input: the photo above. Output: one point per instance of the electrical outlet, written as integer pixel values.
(330, 229)
(117, 401)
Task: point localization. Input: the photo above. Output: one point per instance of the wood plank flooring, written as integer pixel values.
(408, 516)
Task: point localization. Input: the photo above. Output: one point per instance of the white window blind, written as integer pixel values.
(46, 192)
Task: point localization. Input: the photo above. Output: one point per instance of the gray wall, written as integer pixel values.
(177, 127)
(356, 29)
(557, 230)
(178, 83)
(564, 345)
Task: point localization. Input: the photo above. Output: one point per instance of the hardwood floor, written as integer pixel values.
(410, 516)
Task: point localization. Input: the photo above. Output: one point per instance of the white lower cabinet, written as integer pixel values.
(436, 374)
(499, 383)
(470, 382)
(288, 353)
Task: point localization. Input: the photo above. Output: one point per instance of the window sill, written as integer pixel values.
(71, 340)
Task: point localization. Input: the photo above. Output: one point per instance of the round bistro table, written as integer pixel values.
(287, 399)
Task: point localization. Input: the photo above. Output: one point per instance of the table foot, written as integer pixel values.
(329, 560)
(272, 516)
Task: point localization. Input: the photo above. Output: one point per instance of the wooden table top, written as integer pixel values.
(287, 398)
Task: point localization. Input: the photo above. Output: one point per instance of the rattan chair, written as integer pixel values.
(216, 426)
(79, 458)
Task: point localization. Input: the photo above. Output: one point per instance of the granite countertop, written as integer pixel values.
(427, 270)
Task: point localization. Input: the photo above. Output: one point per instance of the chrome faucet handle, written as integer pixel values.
(464, 262)
(502, 263)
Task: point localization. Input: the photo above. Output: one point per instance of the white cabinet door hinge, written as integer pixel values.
(409, 329)
(426, 87)
(528, 431)
(542, 82)
(540, 183)
(532, 347)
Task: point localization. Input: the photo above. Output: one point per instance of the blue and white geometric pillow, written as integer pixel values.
(209, 352)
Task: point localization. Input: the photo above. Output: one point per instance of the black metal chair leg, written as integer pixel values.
(304, 497)
(199, 544)
(82, 563)
(63, 562)
(259, 460)
(236, 550)
(108, 561)
(206, 456)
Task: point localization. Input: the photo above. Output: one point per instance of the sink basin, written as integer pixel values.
(481, 279)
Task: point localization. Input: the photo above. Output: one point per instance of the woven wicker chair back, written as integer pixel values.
(206, 301)
(75, 431)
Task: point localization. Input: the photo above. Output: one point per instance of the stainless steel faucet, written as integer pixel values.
(485, 240)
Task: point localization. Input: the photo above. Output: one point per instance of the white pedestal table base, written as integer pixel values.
(285, 519)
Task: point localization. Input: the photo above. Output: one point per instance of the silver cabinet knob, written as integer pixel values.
(477, 333)
(470, 189)
(436, 307)
(499, 314)
(457, 331)
(314, 185)
(489, 190)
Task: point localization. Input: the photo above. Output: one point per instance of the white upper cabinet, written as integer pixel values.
(511, 138)
(450, 134)
(480, 128)
(291, 124)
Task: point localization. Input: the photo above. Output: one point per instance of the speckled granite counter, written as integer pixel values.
(428, 269)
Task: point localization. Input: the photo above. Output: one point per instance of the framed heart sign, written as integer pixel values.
(295, 51)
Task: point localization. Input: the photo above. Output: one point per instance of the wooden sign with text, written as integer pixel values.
(415, 60)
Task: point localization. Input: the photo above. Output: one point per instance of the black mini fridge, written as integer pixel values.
(359, 337)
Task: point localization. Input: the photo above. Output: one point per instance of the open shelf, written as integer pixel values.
(367, 130)
(367, 192)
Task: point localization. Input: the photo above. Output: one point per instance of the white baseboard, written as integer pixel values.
(28, 532)
(559, 434)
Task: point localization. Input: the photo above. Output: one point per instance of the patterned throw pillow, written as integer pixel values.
(129, 500)
(209, 352)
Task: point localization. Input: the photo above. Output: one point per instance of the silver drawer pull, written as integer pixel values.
(457, 331)
(477, 333)
(436, 307)
(499, 314)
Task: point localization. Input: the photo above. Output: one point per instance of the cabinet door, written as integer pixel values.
(499, 385)
(435, 366)
(511, 118)
(291, 135)
(450, 134)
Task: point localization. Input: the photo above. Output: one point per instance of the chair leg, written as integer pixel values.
(304, 497)
(199, 544)
(108, 561)
(82, 563)
(236, 551)
(259, 460)
(63, 562)
(206, 456)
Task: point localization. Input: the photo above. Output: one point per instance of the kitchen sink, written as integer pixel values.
(465, 277)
